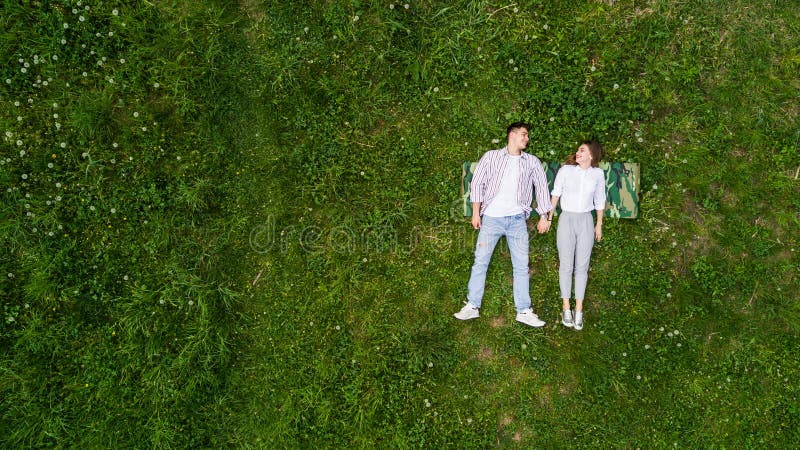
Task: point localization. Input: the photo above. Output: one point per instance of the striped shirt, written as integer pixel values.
(487, 179)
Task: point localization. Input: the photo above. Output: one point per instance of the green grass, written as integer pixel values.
(241, 227)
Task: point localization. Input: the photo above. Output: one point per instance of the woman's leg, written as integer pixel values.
(565, 241)
(583, 253)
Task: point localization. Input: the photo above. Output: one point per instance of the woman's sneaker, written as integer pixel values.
(566, 318)
(578, 320)
(467, 312)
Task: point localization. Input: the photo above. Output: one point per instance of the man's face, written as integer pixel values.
(518, 138)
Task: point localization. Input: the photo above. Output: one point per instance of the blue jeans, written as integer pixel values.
(515, 229)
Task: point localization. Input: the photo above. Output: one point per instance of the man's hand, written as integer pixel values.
(543, 226)
(476, 221)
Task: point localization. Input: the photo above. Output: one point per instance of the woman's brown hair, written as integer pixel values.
(595, 148)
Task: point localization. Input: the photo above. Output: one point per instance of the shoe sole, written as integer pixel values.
(468, 318)
(534, 326)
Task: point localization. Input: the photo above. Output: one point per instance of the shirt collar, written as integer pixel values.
(521, 153)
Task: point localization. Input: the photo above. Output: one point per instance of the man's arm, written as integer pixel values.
(476, 215)
(478, 184)
(477, 187)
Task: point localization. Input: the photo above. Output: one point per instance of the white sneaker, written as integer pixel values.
(467, 312)
(528, 317)
(578, 320)
(566, 318)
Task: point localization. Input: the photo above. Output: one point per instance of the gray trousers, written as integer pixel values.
(575, 239)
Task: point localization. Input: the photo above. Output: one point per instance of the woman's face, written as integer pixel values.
(583, 155)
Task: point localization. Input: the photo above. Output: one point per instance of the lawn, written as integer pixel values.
(237, 224)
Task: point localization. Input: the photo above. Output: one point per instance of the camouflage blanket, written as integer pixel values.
(622, 187)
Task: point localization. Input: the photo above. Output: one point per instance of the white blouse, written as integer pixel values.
(581, 190)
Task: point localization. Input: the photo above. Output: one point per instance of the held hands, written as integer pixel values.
(544, 225)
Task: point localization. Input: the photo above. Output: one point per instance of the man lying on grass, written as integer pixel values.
(501, 193)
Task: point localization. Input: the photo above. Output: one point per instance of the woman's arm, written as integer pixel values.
(599, 205)
(598, 227)
(553, 203)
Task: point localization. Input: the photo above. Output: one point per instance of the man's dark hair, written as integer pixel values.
(516, 125)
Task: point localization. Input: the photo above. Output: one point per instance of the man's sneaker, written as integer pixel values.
(566, 318)
(467, 312)
(527, 317)
(578, 320)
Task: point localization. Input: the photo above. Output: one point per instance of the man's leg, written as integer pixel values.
(490, 233)
(517, 238)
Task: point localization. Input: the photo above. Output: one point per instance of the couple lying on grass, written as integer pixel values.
(501, 193)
